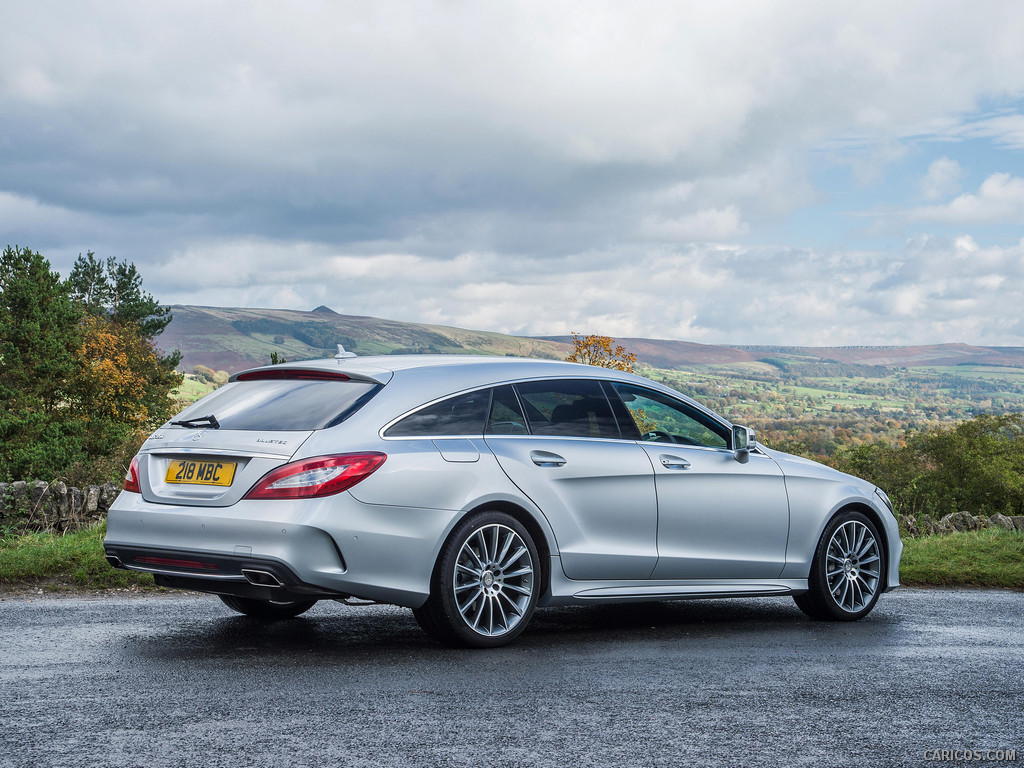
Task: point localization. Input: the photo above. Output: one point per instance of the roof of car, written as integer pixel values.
(381, 367)
(417, 379)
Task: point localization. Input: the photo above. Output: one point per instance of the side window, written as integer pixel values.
(461, 415)
(663, 419)
(506, 415)
(567, 408)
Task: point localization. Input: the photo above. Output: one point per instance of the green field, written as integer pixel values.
(191, 389)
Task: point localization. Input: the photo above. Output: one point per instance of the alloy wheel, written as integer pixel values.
(494, 580)
(852, 566)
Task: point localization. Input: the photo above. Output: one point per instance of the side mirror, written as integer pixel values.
(743, 440)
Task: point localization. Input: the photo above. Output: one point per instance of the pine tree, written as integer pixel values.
(39, 340)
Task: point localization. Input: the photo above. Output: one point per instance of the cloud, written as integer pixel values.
(384, 112)
(999, 198)
(523, 166)
(708, 224)
(931, 290)
(943, 178)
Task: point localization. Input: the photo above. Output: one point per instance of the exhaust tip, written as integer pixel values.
(261, 578)
(115, 562)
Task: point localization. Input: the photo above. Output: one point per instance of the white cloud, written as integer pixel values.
(932, 290)
(943, 178)
(999, 198)
(708, 224)
(522, 166)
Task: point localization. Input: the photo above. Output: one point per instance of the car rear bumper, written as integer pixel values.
(331, 547)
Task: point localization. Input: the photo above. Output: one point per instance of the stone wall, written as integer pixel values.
(957, 521)
(43, 506)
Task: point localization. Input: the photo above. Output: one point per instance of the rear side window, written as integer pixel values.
(460, 415)
(283, 404)
(506, 415)
(567, 408)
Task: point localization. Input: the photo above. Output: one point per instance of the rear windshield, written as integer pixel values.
(282, 404)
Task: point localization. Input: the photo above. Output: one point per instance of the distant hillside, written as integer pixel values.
(232, 339)
(664, 353)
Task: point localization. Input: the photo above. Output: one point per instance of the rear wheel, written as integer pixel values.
(848, 571)
(485, 587)
(266, 609)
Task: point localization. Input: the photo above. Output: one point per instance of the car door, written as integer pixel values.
(718, 518)
(596, 489)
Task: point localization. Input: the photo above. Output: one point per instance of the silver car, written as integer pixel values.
(475, 489)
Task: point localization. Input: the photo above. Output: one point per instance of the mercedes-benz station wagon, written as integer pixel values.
(475, 489)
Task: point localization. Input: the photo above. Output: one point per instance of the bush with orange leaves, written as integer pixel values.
(599, 351)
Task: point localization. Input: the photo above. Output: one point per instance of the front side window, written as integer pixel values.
(663, 419)
(460, 415)
(567, 408)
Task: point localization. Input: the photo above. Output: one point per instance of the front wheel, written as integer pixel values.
(485, 586)
(265, 609)
(847, 572)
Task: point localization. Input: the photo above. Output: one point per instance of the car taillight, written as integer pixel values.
(313, 478)
(131, 480)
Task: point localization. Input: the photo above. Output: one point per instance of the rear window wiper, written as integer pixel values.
(201, 421)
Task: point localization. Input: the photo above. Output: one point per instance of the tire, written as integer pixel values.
(485, 584)
(848, 570)
(265, 609)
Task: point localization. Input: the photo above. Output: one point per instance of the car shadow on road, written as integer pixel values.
(352, 636)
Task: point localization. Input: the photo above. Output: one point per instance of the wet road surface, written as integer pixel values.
(181, 681)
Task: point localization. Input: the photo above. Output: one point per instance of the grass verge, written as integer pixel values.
(989, 558)
(63, 563)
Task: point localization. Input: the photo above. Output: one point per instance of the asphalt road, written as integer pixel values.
(181, 681)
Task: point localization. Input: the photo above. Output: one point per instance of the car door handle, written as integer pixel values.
(546, 459)
(673, 462)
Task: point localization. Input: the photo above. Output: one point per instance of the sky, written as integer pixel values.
(798, 173)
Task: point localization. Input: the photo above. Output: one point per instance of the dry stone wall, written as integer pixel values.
(41, 506)
(958, 521)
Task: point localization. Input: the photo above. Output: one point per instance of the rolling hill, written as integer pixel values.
(232, 339)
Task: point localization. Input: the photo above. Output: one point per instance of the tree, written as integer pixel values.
(39, 343)
(114, 289)
(124, 384)
(598, 350)
(122, 387)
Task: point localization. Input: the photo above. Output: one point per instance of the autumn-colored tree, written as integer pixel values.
(125, 383)
(599, 351)
(204, 373)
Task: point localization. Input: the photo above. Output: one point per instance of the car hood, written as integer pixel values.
(797, 466)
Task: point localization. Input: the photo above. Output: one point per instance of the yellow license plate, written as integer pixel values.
(201, 472)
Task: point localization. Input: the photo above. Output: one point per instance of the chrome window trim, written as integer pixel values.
(380, 433)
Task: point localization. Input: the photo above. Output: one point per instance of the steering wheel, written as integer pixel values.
(658, 436)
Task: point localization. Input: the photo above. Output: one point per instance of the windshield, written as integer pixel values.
(281, 404)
